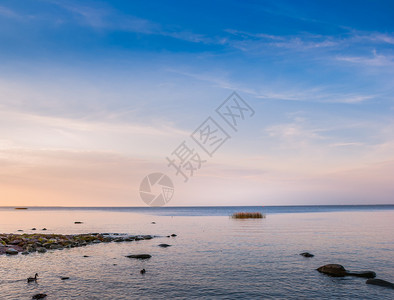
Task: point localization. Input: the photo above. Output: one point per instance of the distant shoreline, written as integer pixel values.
(203, 206)
(209, 210)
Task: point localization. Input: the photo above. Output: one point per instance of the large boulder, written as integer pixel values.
(380, 282)
(336, 270)
(333, 270)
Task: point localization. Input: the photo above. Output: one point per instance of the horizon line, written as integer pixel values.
(20, 206)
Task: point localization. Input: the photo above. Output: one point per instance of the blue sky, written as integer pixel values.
(95, 94)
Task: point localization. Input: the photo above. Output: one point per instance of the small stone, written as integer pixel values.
(78, 222)
(139, 256)
(44, 229)
(34, 228)
(25, 252)
(86, 256)
(64, 278)
(11, 251)
(41, 250)
(306, 254)
(39, 296)
(164, 245)
(15, 242)
(173, 235)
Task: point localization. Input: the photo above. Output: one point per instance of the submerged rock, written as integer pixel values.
(139, 256)
(380, 282)
(306, 254)
(365, 274)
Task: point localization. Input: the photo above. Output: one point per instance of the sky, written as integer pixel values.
(95, 95)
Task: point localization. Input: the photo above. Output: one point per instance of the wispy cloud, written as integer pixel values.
(376, 60)
(6, 12)
(110, 19)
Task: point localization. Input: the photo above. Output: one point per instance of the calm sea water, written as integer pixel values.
(213, 256)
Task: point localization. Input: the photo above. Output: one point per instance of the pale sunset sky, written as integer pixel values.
(94, 95)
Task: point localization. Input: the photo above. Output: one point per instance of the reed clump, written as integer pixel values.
(248, 215)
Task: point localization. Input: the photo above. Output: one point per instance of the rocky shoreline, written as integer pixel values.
(13, 244)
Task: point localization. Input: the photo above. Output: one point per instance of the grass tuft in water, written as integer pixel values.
(248, 215)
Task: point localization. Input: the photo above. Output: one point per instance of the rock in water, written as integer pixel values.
(333, 270)
(11, 251)
(380, 282)
(39, 296)
(365, 274)
(306, 254)
(174, 235)
(336, 270)
(139, 256)
(164, 245)
(64, 278)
